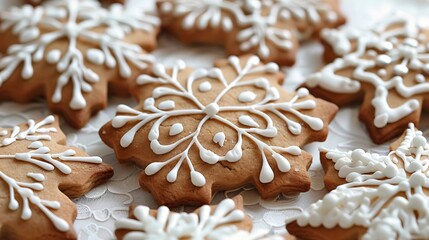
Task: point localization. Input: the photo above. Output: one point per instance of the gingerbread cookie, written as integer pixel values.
(386, 68)
(269, 28)
(200, 131)
(70, 52)
(38, 175)
(221, 222)
(377, 196)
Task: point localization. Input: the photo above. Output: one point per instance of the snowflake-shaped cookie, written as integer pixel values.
(386, 67)
(37, 175)
(382, 197)
(226, 220)
(69, 51)
(269, 28)
(201, 131)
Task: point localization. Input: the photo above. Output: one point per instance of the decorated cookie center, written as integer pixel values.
(247, 102)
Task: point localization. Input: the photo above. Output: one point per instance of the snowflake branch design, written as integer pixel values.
(82, 18)
(259, 22)
(385, 194)
(42, 157)
(170, 86)
(403, 48)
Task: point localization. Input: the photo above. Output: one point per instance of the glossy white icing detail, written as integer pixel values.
(205, 86)
(409, 54)
(175, 129)
(73, 21)
(42, 157)
(170, 225)
(167, 105)
(34, 132)
(247, 96)
(171, 88)
(219, 138)
(385, 194)
(257, 28)
(219, 225)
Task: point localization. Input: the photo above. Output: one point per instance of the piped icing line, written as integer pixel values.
(34, 132)
(257, 28)
(73, 20)
(166, 224)
(41, 156)
(170, 86)
(385, 194)
(379, 48)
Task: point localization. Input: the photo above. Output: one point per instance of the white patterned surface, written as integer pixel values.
(98, 210)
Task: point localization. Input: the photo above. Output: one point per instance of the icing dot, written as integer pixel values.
(205, 86)
(382, 72)
(247, 96)
(53, 56)
(29, 34)
(167, 105)
(197, 179)
(415, 64)
(411, 42)
(95, 56)
(248, 121)
(420, 78)
(302, 92)
(36, 176)
(400, 69)
(219, 138)
(176, 129)
(383, 60)
(115, 32)
(212, 109)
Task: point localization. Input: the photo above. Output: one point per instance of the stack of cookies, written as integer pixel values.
(199, 131)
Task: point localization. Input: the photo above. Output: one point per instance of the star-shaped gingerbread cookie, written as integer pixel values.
(377, 196)
(197, 132)
(227, 220)
(270, 29)
(38, 176)
(71, 52)
(386, 68)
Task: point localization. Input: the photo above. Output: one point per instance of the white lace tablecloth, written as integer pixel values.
(100, 208)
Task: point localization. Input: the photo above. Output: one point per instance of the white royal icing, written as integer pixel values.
(219, 138)
(74, 21)
(42, 157)
(385, 194)
(258, 28)
(221, 224)
(408, 55)
(170, 86)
